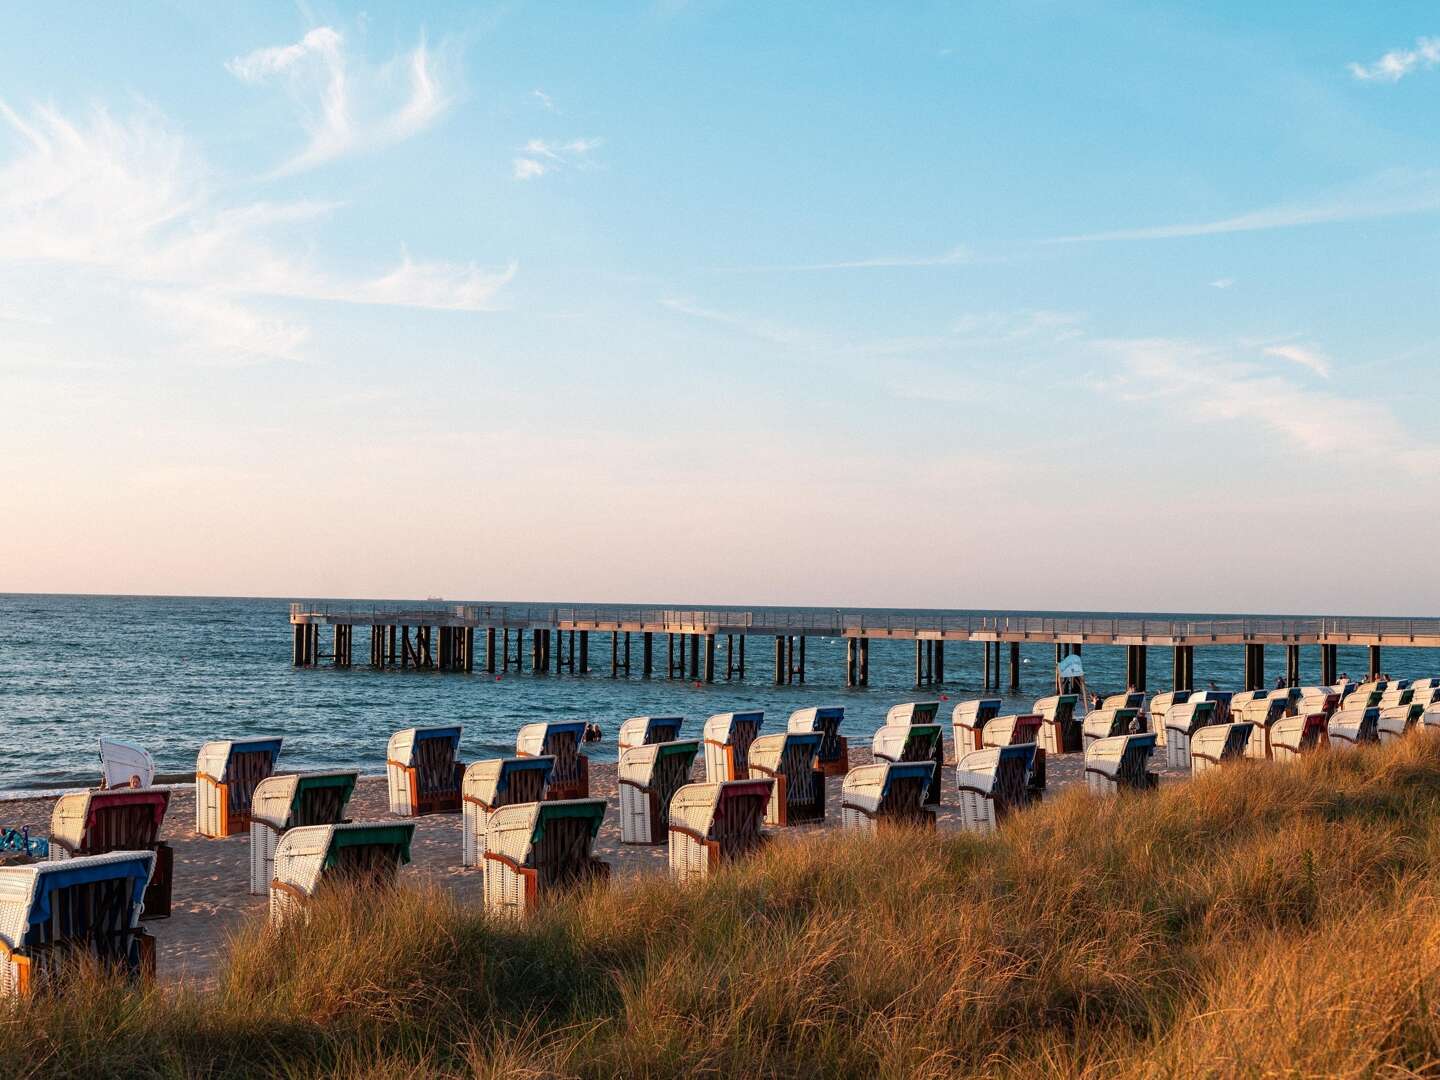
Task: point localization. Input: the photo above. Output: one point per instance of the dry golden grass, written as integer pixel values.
(1261, 921)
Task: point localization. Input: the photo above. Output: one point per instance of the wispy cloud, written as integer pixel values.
(1397, 63)
(1306, 358)
(957, 256)
(542, 157)
(545, 100)
(346, 105)
(1222, 283)
(760, 329)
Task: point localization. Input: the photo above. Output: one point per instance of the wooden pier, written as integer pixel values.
(444, 638)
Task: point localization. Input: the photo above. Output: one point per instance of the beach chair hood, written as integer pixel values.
(401, 748)
(121, 760)
(644, 730)
(489, 782)
(214, 759)
(26, 891)
(277, 799)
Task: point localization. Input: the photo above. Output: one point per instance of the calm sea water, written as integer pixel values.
(172, 672)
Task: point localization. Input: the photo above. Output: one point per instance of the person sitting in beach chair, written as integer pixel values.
(968, 720)
(788, 758)
(1217, 744)
(125, 819)
(55, 913)
(727, 739)
(887, 794)
(1121, 763)
(489, 785)
(911, 742)
(1180, 726)
(1061, 733)
(362, 854)
(570, 778)
(992, 783)
(649, 776)
(423, 771)
(712, 824)
(1263, 713)
(923, 714)
(288, 801)
(834, 756)
(648, 730)
(226, 775)
(535, 850)
(1292, 736)
(1348, 728)
(124, 764)
(1107, 722)
(1160, 706)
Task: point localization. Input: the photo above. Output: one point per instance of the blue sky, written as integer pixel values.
(1023, 305)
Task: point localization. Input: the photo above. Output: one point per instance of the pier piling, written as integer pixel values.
(1184, 667)
(1254, 667)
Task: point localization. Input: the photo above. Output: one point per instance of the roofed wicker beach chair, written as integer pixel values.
(1012, 730)
(125, 764)
(1131, 699)
(1349, 728)
(968, 720)
(913, 742)
(1430, 718)
(570, 778)
(362, 854)
(226, 774)
(1397, 721)
(1160, 706)
(712, 824)
(1217, 744)
(921, 714)
(992, 783)
(1107, 722)
(1263, 713)
(646, 730)
(1219, 698)
(535, 850)
(489, 785)
(1180, 726)
(1292, 736)
(125, 819)
(1425, 696)
(1429, 683)
(649, 776)
(727, 740)
(52, 913)
(424, 772)
(1317, 699)
(1062, 733)
(887, 794)
(788, 758)
(1121, 762)
(1395, 697)
(834, 756)
(289, 801)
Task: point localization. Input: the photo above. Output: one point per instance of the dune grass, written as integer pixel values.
(1259, 921)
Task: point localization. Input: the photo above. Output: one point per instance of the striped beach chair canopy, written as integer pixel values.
(887, 793)
(648, 778)
(644, 730)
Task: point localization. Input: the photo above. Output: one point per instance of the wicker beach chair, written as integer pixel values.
(1131, 699)
(364, 854)
(1062, 732)
(1160, 706)
(1316, 699)
(52, 913)
(647, 730)
(887, 794)
(712, 824)
(125, 764)
(1292, 736)
(1012, 731)
(1430, 718)
(913, 742)
(1107, 722)
(1121, 763)
(788, 758)
(968, 720)
(649, 776)
(535, 850)
(921, 714)
(226, 774)
(1180, 726)
(1348, 728)
(489, 785)
(1395, 697)
(570, 778)
(1397, 721)
(992, 783)
(727, 739)
(1217, 744)
(423, 771)
(1264, 713)
(288, 801)
(125, 819)
(1429, 683)
(1221, 699)
(834, 756)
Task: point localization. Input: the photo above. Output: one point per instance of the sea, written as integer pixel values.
(173, 672)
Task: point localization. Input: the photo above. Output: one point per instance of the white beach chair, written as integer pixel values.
(911, 742)
(1109, 721)
(715, 823)
(968, 720)
(1430, 718)
(1180, 726)
(1131, 699)
(1062, 732)
(1160, 706)
(122, 819)
(364, 854)
(647, 730)
(920, 714)
(52, 913)
(561, 740)
(1429, 683)
(993, 783)
(489, 785)
(887, 794)
(1397, 721)
(1316, 699)
(834, 756)
(226, 773)
(649, 776)
(1348, 728)
(1120, 762)
(1292, 736)
(533, 850)
(788, 758)
(423, 771)
(1012, 731)
(727, 740)
(1395, 697)
(288, 801)
(1217, 744)
(1263, 713)
(1219, 698)
(124, 764)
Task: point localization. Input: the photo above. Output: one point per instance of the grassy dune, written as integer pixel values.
(1260, 921)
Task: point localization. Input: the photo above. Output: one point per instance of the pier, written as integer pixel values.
(445, 637)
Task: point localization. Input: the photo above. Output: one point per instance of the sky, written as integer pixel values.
(1031, 305)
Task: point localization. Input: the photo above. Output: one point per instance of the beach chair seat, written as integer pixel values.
(712, 824)
(123, 819)
(648, 730)
(968, 720)
(887, 794)
(834, 756)
(1121, 763)
(1107, 722)
(489, 785)
(89, 906)
(361, 854)
(226, 775)
(536, 850)
(1061, 732)
(125, 764)
(1397, 721)
(287, 801)
(561, 740)
(1160, 706)
(1181, 723)
(648, 777)
(921, 714)
(915, 742)
(726, 744)
(423, 771)
(788, 758)
(1348, 728)
(1291, 736)
(992, 783)
(1217, 744)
